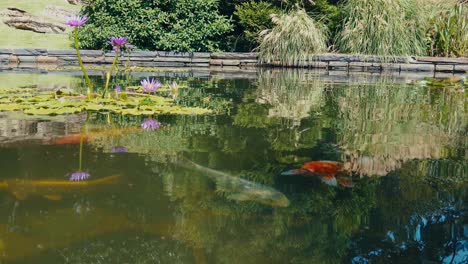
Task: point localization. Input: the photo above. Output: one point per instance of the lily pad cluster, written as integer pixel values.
(33, 101)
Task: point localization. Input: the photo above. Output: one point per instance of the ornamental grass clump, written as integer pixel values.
(295, 38)
(383, 27)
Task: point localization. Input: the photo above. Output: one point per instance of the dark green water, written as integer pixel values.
(404, 147)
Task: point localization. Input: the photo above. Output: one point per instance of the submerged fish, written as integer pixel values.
(53, 190)
(239, 189)
(73, 139)
(330, 172)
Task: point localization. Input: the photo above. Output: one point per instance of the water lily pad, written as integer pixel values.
(36, 102)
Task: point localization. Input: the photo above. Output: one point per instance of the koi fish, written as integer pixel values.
(328, 171)
(73, 139)
(53, 190)
(239, 189)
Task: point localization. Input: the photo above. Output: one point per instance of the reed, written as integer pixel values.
(295, 38)
(448, 31)
(383, 27)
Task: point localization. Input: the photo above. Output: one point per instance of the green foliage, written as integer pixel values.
(183, 25)
(448, 32)
(254, 17)
(382, 27)
(295, 38)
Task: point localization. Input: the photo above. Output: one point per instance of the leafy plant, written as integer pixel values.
(175, 25)
(294, 38)
(448, 32)
(382, 27)
(254, 17)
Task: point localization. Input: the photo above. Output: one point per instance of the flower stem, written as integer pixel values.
(83, 130)
(109, 74)
(80, 61)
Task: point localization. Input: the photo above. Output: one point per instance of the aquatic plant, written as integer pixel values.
(33, 101)
(382, 27)
(150, 124)
(79, 176)
(295, 38)
(75, 23)
(117, 43)
(150, 86)
(119, 150)
(174, 90)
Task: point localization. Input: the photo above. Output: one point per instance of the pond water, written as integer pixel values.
(218, 189)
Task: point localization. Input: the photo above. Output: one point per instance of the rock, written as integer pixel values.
(74, 2)
(21, 19)
(58, 12)
(35, 24)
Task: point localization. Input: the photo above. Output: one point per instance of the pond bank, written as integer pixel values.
(332, 61)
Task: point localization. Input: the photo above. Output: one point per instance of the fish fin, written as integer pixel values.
(238, 197)
(53, 197)
(20, 196)
(329, 180)
(345, 182)
(294, 172)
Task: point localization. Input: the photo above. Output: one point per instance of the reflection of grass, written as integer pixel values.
(14, 38)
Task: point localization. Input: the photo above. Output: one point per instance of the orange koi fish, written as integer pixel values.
(328, 171)
(73, 139)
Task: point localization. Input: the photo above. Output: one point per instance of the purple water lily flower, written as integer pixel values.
(119, 150)
(117, 43)
(150, 86)
(76, 21)
(79, 176)
(150, 124)
(118, 89)
(129, 47)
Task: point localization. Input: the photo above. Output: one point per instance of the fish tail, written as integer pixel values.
(345, 182)
(329, 180)
(294, 172)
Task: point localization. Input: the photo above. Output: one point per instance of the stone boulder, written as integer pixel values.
(21, 19)
(58, 12)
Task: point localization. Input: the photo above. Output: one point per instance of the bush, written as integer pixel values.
(382, 27)
(448, 32)
(294, 38)
(254, 17)
(179, 25)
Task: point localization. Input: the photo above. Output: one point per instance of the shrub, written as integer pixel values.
(294, 38)
(448, 32)
(179, 25)
(382, 27)
(254, 17)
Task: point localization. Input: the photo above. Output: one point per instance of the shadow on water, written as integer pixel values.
(403, 146)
